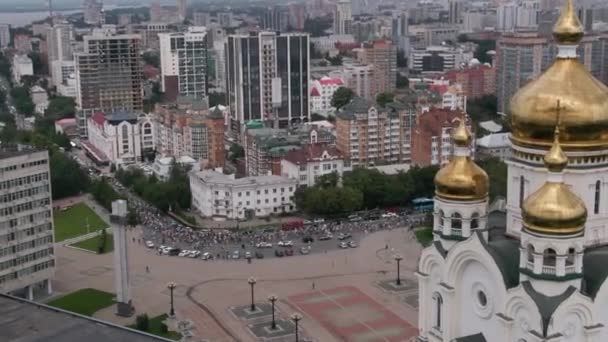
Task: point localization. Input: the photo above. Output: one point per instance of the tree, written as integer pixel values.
(132, 218)
(142, 322)
(335, 60)
(497, 170)
(151, 58)
(383, 98)
(328, 180)
(217, 99)
(483, 109)
(61, 107)
(235, 152)
(22, 100)
(67, 178)
(341, 97)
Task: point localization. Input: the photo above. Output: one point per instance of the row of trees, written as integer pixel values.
(172, 194)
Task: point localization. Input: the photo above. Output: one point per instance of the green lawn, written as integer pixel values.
(424, 236)
(92, 244)
(155, 328)
(85, 302)
(73, 222)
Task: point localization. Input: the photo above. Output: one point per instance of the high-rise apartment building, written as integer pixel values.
(382, 54)
(520, 57)
(27, 258)
(476, 80)
(5, 35)
(268, 77)
(183, 63)
(297, 16)
(343, 17)
(109, 74)
(275, 19)
(455, 12)
(368, 134)
(400, 31)
(59, 39)
(201, 18)
(182, 6)
(93, 12)
(360, 79)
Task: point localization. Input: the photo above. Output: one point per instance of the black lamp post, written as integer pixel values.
(296, 317)
(171, 286)
(272, 300)
(398, 258)
(252, 282)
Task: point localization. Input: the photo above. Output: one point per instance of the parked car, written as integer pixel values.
(304, 250)
(343, 245)
(308, 239)
(307, 222)
(207, 256)
(352, 244)
(354, 218)
(259, 255)
(247, 255)
(287, 243)
(289, 252)
(278, 253)
(184, 253)
(195, 254)
(149, 244)
(236, 255)
(263, 245)
(326, 237)
(344, 237)
(318, 220)
(389, 215)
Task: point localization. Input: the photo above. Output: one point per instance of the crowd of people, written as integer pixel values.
(162, 229)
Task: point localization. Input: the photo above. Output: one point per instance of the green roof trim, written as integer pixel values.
(471, 338)
(547, 304)
(594, 270)
(543, 276)
(505, 253)
(440, 249)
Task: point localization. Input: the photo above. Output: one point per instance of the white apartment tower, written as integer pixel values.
(27, 258)
(343, 17)
(183, 59)
(5, 35)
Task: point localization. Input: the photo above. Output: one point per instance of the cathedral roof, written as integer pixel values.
(595, 271)
(505, 252)
(471, 338)
(546, 304)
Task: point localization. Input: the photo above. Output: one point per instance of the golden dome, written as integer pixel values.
(461, 178)
(568, 29)
(554, 209)
(584, 108)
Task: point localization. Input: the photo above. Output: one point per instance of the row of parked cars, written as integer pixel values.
(186, 253)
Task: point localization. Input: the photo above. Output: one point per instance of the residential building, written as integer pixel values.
(93, 12)
(59, 39)
(217, 195)
(22, 43)
(297, 15)
(183, 63)
(321, 93)
(150, 34)
(453, 98)
(109, 73)
(400, 32)
(62, 71)
(27, 257)
(370, 135)
(343, 17)
(22, 66)
(201, 18)
(520, 57)
(307, 164)
(5, 35)
(433, 34)
(268, 77)
(162, 166)
(156, 11)
(360, 78)
(182, 7)
(456, 8)
(432, 142)
(264, 147)
(219, 58)
(329, 43)
(189, 128)
(225, 19)
(438, 58)
(276, 18)
(119, 138)
(496, 145)
(382, 54)
(40, 99)
(477, 80)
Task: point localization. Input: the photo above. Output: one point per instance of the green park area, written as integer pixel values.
(93, 244)
(75, 221)
(424, 236)
(155, 326)
(85, 302)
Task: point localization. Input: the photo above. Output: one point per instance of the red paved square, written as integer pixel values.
(353, 316)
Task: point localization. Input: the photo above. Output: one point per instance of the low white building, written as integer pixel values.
(40, 99)
(494, 145)
(327, 43)
(216, 194)
(119, 138)
(162, 166)
(321, 93)
(305, 165)
(22, 66)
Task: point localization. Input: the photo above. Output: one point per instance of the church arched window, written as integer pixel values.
(596, 204)
(522, 185)
(438, 303)
(441, 214)
(549, 257)
(475, 221)
(530, 253)
(456, 221)
(570, 257)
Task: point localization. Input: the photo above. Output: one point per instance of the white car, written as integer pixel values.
(206, 256)
(263, 245)
(194, 254)
(149, 244)
(388, 215)
(318, 220)
(184, 253)
(285, 243)
(247, 255)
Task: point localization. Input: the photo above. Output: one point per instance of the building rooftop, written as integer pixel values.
(213, 177)
(26, 321)
(9, 151)
(313, 152)
(497, 140)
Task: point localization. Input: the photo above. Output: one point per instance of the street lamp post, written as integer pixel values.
(171, 286)
(398, 258)
(252, 282)
(296, 317)
(272, 300)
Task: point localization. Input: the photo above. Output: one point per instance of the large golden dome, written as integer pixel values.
(583, 100)
(554, 209)
(461, 178)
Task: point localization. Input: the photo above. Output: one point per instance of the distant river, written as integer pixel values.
(26, 18)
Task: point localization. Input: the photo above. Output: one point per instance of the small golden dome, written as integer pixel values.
(568, 29)
(461, 135)
(554, 209)
(461, 179)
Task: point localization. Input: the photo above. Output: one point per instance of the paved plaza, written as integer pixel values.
(343, 295)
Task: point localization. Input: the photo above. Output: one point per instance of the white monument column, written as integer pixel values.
(121, 261)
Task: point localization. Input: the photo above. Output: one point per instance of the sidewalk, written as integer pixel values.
(221, 223)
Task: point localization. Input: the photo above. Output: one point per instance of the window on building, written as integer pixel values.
(326, 167)
(441, 214)
(302, 167)
(475, 221)
(596, 205)
(549, 257)
(456, 221)
(530, 253)
(522, 185)
(438, 304)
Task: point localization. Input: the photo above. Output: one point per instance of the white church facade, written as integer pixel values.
(539, 272)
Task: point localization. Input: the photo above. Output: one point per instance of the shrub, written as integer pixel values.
(164, 328)
(142, 322)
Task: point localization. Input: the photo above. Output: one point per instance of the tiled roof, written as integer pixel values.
(312, 152)
(99, 118)
(314, 92)
(330, 81)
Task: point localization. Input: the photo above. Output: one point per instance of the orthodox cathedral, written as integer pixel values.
(539, 272)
